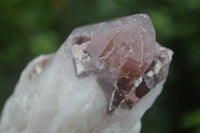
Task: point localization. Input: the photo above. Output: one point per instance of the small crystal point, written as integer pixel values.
(126, 49)
(126, 44)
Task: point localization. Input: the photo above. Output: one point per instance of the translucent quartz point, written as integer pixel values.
(126, 51)
(127, 45)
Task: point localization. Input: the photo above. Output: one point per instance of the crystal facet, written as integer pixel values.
(124, 49)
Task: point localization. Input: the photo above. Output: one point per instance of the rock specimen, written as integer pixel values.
(102, 80)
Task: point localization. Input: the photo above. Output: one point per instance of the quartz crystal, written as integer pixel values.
(102, 80)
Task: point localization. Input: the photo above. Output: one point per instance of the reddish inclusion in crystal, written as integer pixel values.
(128, 48)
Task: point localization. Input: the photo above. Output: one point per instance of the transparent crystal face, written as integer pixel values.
(124, 56)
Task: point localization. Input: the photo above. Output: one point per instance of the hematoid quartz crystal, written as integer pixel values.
(102, 80)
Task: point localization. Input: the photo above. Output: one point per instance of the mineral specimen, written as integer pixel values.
(102, 80)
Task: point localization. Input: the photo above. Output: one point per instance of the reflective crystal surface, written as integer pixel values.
(125, 50)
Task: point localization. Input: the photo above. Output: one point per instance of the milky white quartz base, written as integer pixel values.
(56, 101)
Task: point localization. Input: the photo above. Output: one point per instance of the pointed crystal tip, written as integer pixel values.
(124, 49)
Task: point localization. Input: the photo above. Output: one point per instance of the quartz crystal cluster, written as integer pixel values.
(102, 80)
